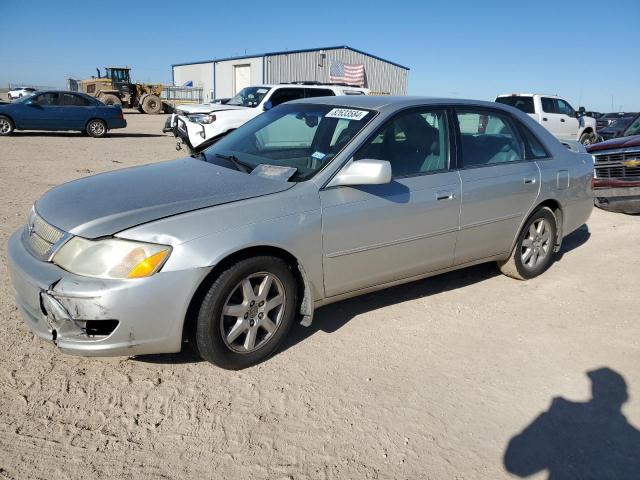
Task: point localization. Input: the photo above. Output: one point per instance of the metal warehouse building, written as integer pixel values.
(223, 78)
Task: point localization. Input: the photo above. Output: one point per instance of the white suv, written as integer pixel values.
(555, 114)
(19, 92)
(198, 126)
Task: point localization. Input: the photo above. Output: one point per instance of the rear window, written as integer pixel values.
(521, 103)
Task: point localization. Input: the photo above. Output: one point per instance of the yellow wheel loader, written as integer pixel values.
(116, 88)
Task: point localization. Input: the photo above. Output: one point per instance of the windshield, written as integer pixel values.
(621, 123)
(634, 129)
(302, 136)
(521, 103)
(249, 97)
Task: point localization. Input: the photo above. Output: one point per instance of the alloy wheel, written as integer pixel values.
(5, 126)
(536, 245)
(96, 128)
(253, 312)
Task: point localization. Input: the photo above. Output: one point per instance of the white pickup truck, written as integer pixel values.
(198, 126)
(555, 114)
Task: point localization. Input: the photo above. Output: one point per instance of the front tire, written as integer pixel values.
(96, 128)
(152, 105)
(587, 138)
(533, 252)
(246, 313)
(6, 126)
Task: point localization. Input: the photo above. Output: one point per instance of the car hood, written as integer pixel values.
(621, 142)
(108, 203)
(209, 107)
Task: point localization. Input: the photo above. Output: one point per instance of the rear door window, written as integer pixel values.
(283, 95)
(548, 105)
(318, 92)
(520, 102)
(532, 146)
(71, 100)
(488, 138)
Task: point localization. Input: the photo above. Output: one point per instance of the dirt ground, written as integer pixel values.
(428, 380)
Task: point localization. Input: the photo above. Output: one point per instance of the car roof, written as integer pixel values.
(62, 91)
(303, 85)
(529, 95)
(384, 102)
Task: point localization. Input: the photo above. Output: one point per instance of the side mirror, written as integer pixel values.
(363, 172)
(267, 106)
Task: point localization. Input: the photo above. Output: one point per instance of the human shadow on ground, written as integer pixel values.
(332, 317)
(580, 440)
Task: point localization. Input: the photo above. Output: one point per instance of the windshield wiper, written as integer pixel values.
(242, 167)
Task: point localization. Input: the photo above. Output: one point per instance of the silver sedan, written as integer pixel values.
(311, 202)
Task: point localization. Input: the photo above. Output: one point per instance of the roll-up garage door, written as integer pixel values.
(241, 77)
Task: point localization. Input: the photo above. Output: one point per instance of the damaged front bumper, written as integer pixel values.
(170, 124)
(98, 317)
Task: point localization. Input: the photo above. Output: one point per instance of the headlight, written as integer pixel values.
(111, 258)
(202, 118)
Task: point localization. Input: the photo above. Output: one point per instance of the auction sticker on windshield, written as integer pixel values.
(347, 114)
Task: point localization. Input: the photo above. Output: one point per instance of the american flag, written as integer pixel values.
(350, 73)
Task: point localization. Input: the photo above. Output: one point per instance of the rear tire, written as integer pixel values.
(6, 126)
(533, 252)
(243, 317)
(151, 104)
(110, 100)
(96, 128)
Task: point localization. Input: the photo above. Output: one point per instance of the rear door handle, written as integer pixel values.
(529, 180)
(562, 120)
(445, 196)
(544, 119)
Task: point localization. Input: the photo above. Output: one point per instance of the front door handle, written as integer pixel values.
(544, 119)
(445, 196)
(529, 180)
(562, 120)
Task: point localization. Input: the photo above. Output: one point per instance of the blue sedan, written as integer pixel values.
(60, 110)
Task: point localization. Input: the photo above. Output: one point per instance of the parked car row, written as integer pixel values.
(199, 126)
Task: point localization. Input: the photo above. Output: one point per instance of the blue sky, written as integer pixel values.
(585, 51)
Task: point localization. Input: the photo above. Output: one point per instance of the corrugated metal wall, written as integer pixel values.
(381, 77)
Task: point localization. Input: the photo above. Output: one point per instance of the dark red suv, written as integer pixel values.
(616, 182)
